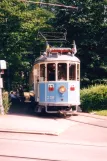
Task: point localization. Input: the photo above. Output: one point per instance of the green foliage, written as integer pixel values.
(101, 112)
(20, 23)
(6, 102)
(94, 98)
(88, 27)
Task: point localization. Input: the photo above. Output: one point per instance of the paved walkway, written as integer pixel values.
(18, 120)
(30, 124)
(43, 125)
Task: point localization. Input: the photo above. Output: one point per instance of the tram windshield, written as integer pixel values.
(51, 71)
(72, 71)
(62, 71)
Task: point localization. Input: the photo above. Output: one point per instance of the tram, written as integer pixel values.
(55, 80)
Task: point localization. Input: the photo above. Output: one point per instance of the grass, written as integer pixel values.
(100, 112)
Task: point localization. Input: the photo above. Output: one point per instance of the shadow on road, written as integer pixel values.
(20, 108)
(25, 109)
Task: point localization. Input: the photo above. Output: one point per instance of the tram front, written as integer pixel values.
(59, 84)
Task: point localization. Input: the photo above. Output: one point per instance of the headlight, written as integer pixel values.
(62, 89)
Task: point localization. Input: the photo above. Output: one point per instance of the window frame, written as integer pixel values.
(66, 70)
(40, 72)
(78, 72)
(46, 68)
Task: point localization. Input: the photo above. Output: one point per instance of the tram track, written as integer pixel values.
(27, 158)
(88, 123)
(91, 124)
(69, 117)
(57, 142)
(92, 116)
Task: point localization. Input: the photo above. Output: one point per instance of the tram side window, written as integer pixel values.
(42, 72)
(78, 72)
(72, 71)
(62, 71)
(51, 68)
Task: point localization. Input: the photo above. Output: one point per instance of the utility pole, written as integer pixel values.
(2, 67)
(1, 99)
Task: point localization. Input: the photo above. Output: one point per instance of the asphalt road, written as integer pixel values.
(27, 147)
(85, 140)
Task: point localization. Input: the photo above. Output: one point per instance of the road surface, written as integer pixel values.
(85, 140)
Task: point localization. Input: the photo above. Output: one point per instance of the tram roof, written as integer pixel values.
(52, 58)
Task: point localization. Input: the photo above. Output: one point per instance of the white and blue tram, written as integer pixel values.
(56, 80)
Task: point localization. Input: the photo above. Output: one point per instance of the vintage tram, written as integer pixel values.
(55, 80)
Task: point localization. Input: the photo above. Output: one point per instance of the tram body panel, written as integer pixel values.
(53, 94)
(62, 97)
(41, 93)
(49, 93)
(74, 92)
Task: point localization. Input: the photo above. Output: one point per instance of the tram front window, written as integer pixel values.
(72, 71)
(51, 71)
(62, 71)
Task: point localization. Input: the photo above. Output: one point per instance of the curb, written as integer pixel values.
(29, 132)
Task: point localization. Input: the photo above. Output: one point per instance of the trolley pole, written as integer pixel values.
(1, 99)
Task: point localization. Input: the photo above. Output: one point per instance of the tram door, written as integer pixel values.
(51, 84)
(74, 83)
(36, 82)
(42, 83)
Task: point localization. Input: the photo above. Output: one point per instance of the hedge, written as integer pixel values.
(94, 98)
(6, 102)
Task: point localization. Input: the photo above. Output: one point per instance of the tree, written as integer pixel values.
(88, 27)
(19, 25)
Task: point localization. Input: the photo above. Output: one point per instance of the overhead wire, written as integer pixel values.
(50, 4)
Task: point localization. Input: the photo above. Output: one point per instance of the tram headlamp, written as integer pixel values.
(62, 89)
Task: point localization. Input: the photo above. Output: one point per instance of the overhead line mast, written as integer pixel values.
(50, 4)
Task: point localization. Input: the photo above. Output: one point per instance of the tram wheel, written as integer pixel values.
(62, 113)
(39, 110)
(65, 114)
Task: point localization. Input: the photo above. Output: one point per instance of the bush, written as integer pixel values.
(94, 98)
(6, 102)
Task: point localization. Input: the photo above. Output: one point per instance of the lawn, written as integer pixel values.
(100, 112)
